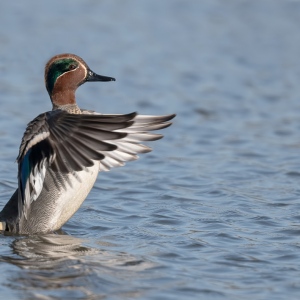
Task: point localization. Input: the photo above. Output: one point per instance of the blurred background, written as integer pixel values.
(213, 211)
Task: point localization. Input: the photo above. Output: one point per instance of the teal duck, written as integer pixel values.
(63, 150)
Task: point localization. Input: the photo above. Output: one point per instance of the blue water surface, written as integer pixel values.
(214, 211)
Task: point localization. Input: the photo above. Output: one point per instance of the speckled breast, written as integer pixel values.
(60, 199)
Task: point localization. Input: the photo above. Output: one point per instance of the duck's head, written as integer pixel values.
(64, 73)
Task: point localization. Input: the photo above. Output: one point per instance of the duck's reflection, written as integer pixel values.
(50, 246)
(48, 263)
(60, 264)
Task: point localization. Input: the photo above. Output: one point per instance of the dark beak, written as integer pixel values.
(91, 76)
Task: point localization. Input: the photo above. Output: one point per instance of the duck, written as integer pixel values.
(63, 150)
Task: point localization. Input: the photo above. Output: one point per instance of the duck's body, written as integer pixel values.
(63, 150)
(54, 206)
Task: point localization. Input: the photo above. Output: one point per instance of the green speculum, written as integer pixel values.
(56, 69)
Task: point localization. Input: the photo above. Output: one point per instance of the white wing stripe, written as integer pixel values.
(36, 139)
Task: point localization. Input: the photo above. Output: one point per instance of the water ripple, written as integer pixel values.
(213, 211)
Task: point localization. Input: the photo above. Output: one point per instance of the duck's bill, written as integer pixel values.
(91, 76)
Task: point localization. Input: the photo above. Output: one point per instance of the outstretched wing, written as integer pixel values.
(68, 143)
(129, 146)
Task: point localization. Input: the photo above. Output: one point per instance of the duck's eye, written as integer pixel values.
(72, 67)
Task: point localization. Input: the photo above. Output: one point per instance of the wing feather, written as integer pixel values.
(61, 143)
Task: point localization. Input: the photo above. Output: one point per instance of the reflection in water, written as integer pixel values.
(50, 247)
(50, 262)
(59, 265)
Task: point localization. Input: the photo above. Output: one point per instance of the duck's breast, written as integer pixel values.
(60, 198)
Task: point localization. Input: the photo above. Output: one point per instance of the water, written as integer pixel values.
(213, 211)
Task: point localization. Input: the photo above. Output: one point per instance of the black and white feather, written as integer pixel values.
(68, 143)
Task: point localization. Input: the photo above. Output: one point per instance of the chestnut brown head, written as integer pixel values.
(64, 73)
